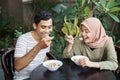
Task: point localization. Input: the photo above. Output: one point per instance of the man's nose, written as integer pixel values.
(47, 30)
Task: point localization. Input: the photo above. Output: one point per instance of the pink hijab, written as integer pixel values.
(99, 37)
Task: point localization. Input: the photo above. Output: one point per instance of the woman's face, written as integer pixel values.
(86, 34)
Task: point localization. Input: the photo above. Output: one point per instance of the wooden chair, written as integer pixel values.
(7, 62)
(117, 48)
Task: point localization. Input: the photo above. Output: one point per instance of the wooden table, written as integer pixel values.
(70, 71)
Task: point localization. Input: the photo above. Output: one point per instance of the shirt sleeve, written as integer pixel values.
(21, 47)
(111, 62)
(66, 54)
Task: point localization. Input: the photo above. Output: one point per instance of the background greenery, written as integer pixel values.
(8, 27)
(108, 11)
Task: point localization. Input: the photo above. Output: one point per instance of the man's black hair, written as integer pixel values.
(42, 15)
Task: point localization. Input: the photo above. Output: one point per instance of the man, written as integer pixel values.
(31, 47)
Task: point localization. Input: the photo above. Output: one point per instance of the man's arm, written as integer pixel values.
(22, 62)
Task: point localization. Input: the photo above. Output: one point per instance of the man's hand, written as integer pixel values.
(45, 42)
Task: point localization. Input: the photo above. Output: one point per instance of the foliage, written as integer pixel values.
(70, 28)
(42, 5)
(7, 30)
(83, 9)
(78, 10)
(106, 11)
(109, 13)
(110, 8)
(58, 43)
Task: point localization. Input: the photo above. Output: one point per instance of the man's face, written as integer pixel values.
(44, 28)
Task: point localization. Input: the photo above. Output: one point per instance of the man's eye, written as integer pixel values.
(43, 27)
(50, 27)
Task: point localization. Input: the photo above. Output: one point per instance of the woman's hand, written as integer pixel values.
(69, 39)
(86, 62)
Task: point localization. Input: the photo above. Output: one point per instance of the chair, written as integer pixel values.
(117, 48)
(7, 62)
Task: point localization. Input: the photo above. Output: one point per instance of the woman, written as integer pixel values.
(95, 44)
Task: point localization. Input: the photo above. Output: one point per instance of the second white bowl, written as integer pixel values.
(76, 58)
(52, 65)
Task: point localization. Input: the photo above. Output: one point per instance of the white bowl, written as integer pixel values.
(76, 59)
(52, 65)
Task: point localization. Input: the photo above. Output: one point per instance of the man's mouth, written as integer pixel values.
(44, 35)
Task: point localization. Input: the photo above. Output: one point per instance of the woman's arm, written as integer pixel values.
(111, 62)
(68, 50)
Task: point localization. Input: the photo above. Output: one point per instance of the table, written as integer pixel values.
(70, 71)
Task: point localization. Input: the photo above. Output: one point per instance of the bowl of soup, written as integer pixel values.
(76, 58)
(52, 65)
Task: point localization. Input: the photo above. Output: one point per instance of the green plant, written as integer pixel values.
(110, 8)
(42, 5)
(58, 43)
(7, 29)
(109, 13)
(83, 9)
(60, 11)
(80, 8)
(106, 10)
(70, 28)
(18, 33)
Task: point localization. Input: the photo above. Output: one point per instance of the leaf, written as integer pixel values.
(114, 17)
(70, 28)
(83, 2)
(74, 32)
(75, 21)
(115, 9)
(87, 12)
(103, 3)
(111, 4)
(62, 40)
(64, 30)
(65, 19)
(77, 31)
(113, 38)
(76, 28)
(98, 5)
(88, 1)
(118, 41)
(67, 25)
(59, 8)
